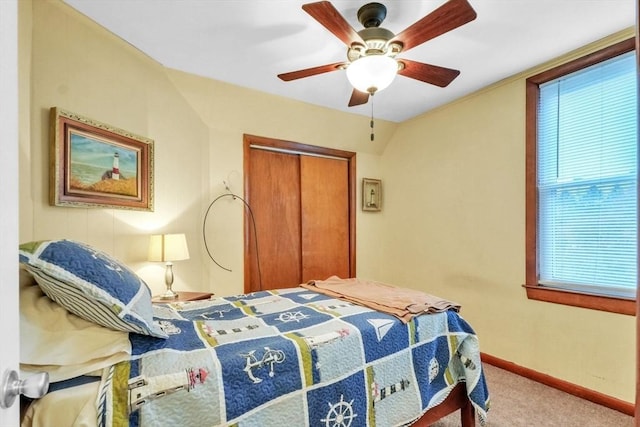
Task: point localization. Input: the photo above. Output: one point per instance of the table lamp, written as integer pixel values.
(168, 248)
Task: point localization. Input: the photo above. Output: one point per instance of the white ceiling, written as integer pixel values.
(248, 43)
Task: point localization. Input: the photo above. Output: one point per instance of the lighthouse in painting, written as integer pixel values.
(115, 172)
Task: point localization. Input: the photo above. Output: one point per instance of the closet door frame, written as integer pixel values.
(260, 142)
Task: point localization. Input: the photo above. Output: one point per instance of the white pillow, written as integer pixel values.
(54, 340)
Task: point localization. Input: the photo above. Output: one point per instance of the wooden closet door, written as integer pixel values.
(274, 192)
(325, 217)
(303, 199)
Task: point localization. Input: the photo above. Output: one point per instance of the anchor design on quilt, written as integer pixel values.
(144, 389)
(270, 357)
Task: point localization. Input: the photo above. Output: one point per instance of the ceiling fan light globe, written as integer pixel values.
(372, 73)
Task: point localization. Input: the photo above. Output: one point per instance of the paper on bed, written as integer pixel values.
(403, 303)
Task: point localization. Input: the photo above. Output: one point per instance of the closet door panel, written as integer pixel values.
(325, 217)
(274, 185)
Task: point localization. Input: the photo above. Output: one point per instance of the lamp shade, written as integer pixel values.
(168, 247)
(372, 73)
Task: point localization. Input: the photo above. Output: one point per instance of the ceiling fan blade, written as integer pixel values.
(358, 98)
(327, 15)
(452, 14)
(432, 74)
(307, 72)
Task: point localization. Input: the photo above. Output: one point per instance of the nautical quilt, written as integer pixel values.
(290, 357)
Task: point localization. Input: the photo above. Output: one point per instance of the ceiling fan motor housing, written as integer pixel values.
(377, 43)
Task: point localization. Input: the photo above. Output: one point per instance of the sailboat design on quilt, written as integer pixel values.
(382, 326)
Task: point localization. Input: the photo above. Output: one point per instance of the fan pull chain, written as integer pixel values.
(371, 123)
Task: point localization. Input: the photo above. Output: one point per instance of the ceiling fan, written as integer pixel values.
(377, 44)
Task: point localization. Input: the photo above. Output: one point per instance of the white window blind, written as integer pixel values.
(587, 179)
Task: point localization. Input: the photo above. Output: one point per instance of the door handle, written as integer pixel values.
(34, 386)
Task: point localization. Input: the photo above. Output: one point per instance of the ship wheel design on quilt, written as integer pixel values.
(340, 414)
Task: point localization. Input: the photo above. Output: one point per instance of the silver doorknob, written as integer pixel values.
(34, 387)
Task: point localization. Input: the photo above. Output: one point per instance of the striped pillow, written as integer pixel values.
(92, 285)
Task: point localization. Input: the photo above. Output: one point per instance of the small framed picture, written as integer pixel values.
(371, 194)
(97, 165)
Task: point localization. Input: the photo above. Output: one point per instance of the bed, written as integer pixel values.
(295, 356)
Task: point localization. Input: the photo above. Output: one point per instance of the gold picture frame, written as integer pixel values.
(371, 194)
(93, 164)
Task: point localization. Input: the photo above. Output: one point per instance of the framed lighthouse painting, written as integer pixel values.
(97, 165)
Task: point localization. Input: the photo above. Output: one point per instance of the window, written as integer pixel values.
(582, 181)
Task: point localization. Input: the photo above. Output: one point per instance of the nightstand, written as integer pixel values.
(182, 297)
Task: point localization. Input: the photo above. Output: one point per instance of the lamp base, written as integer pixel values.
(169, 295)
(168, 280)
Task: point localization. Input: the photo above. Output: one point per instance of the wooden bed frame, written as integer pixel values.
(457, 399)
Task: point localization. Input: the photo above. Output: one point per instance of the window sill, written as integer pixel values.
(577, 299)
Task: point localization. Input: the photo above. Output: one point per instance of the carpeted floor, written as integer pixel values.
(517, 401)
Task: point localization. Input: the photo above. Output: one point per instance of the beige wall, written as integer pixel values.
(455, 226)
(453, 180)
(81, 68)
(197, 125)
